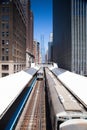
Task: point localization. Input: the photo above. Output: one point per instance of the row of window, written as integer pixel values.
(4, 2)
(5, 58)
(16, 67)
(5, 42)
(5, 34)
(5, 9)
(5, 67)
(5, 51)
(5, 18)
(4, 74)
(5, 25)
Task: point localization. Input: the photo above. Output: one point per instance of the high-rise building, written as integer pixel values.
(29, 31)
(50, 48)
(36, 52)
(70, 35)
(12, 37)
(42, 49)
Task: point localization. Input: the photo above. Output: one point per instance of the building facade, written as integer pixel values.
(12, 37)
(70, 35)
(36, 52)
(50, 48)
(29, 31)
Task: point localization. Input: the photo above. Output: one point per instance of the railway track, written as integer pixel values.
(33, 115)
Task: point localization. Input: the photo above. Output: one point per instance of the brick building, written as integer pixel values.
(12, 37)
(29, 31)
(36, 52)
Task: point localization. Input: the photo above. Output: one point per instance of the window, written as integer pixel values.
(5, 67)
(3, 58)
(7, 25)
(7, 50)
(14, 67)
(3, 34)
(7, 58)
(3, 50)
(4, 1)
(5, 18)
(4, 74)
(7, 34)
(3, 42)
(7, 9)
(7, 42)
(3, 25)
(3, 9)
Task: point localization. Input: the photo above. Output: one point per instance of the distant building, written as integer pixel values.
(42, 49)
(50, 51)
(50, 48)
(12, 37)
(46, 57)
(36, 52)
(70, 35)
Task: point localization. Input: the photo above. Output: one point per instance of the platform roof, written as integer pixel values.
(31, 71)
(74, 82)
(10, 87)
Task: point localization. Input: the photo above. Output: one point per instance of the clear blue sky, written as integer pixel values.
(42, 11)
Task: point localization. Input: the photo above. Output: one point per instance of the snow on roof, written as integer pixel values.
(32, 71)
(10, 88)
(76, 124)
(76, 83)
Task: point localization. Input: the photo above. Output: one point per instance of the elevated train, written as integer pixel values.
(63, 106)
(40, 74)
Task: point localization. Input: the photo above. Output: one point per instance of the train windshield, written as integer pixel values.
(74, 124)
(39, 73)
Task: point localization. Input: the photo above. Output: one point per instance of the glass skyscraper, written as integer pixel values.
(70, 35)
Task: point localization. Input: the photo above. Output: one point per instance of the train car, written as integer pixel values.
(74, 124)
(63, 105)
(40, 74)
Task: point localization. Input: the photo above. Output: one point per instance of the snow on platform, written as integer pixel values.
(74, 82)
(11, 86)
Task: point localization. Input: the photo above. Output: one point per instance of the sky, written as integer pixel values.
(42, 12)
